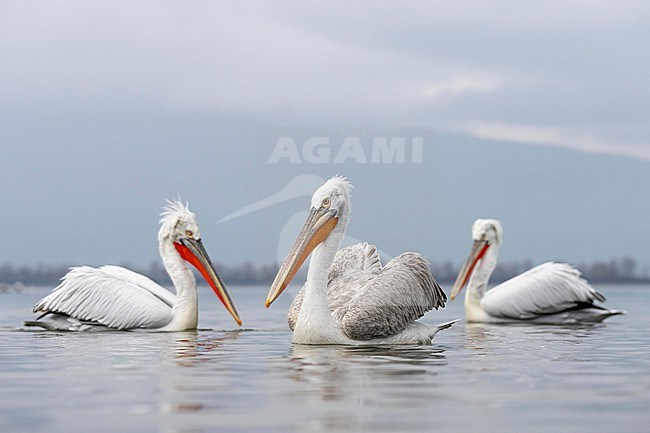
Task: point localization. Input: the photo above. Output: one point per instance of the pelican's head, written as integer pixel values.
(329, 203)
(487, 230)
(178, 225)
(486, 233)
(333, 194)
(177, 221)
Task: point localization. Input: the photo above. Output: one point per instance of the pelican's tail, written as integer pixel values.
(442, 326)
(44, 325)
(610, 313)
(592, 315)
(447, 324)
(61, 322)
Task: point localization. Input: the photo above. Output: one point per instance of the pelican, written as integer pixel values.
(349, 298)
(113, 297)
(551, 293)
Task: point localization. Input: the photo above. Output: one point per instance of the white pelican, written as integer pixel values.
(551, 293)
(112, 297)
(348, 297)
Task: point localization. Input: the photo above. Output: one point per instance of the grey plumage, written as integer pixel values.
(370, 301)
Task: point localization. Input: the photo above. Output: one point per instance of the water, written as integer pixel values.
(474, 378)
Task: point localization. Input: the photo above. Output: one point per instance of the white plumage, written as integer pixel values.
(113, 297)
(349, 298)
(552, 293)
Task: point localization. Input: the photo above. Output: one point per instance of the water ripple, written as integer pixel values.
(484, 378)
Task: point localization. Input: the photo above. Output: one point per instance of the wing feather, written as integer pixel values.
(140, 280)
(112, 296)
(546, 289)
(391, 299)
(370, 301)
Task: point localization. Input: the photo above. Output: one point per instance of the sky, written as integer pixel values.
(536, 114)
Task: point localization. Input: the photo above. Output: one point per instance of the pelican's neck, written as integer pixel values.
(185, 312)
(315, 323)
(481, 276)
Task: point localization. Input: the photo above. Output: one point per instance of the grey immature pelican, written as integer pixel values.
(349, 298)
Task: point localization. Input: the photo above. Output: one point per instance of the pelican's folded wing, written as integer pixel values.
(393, 298)
(546, 289)
(111, 296)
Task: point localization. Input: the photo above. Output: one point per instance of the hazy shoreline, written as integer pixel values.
(617, 271)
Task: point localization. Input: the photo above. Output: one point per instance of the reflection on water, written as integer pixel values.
(338, 387)
(474, 378)
(332, 370)
(189, 348)
(404, 359)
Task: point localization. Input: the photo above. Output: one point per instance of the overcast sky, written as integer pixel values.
(535, 114)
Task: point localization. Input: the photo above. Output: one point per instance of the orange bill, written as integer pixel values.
(479, 248)
(317, 228)
(192, 251)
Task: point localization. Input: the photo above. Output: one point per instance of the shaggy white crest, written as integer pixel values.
(175, 208)
(488, 229)
(177, 217)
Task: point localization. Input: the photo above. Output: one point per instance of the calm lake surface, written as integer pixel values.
(474, 378)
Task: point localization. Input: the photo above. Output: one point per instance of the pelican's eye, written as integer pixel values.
(189, 234)
(326, 203)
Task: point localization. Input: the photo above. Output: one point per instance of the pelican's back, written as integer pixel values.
(109, 296)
